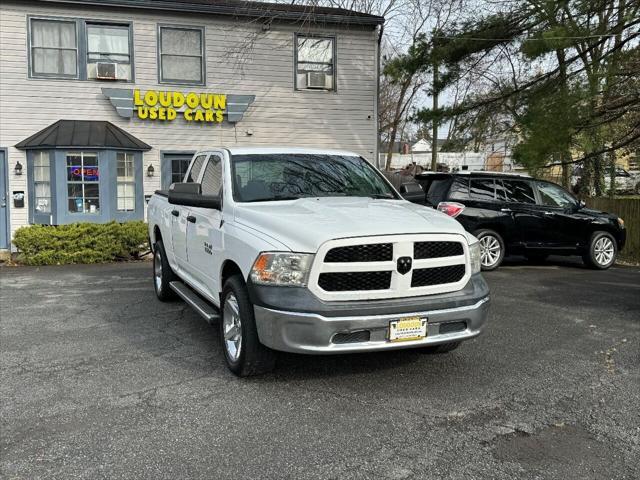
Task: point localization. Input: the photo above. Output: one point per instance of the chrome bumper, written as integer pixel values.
(312, 333)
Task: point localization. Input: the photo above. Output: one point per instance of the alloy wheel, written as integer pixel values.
(157, 270)
(603, 251)
(232, 328)
(489, 251)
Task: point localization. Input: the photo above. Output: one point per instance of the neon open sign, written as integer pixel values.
(86, 173)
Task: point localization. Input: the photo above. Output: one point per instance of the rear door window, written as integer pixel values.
(482, 189)
(518, 191)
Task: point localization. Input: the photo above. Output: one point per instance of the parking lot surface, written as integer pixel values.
(101, 380)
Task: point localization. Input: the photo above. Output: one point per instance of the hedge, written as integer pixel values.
(81, 243)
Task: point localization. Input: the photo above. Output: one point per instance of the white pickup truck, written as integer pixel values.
(312, 251)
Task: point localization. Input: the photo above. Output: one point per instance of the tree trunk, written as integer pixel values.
(397, 118)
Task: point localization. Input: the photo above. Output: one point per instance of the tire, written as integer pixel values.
(243, 352)
(442, 348)
(162, 274)
(491, 248)
(537, 257)
(602, 252)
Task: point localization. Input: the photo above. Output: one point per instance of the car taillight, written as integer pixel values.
(453, 209)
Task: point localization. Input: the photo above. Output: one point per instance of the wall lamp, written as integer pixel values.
(150, 170)
(18, 169)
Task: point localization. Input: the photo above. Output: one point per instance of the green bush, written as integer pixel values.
(81, 243)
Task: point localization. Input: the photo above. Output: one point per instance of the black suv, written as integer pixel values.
(520, 215)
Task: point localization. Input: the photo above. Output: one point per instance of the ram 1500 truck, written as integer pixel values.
(312, 251)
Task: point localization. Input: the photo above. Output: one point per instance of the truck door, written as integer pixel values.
(204, 230)
(179, 215)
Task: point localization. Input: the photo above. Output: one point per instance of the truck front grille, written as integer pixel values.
(377, 252)
(436, 276)
(345, 281)
(436, 249)
(376, 267)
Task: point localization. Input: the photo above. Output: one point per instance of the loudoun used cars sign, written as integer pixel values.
(164, 105)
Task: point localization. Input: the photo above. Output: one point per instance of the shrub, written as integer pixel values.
(81, 243)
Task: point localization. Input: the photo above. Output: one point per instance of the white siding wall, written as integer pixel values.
(280, 115)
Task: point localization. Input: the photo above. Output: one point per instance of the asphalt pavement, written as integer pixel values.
(101, 380)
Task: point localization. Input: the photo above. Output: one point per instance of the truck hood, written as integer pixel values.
(305, 224)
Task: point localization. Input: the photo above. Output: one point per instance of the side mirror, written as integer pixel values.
(582, 204)
(189, 194)
(413, 192)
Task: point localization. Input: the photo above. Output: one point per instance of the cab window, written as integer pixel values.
(555, 196)
(212, 176)
(194, 171)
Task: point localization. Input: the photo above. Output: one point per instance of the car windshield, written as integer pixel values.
(285, 176)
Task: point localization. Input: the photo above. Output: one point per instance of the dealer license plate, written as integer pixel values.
(410, 328)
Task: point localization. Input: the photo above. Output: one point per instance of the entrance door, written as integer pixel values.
(4, 201)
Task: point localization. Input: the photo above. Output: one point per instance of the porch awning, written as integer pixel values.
(83, 134)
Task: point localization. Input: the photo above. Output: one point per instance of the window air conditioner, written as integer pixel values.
(319, 80)
(107, 71)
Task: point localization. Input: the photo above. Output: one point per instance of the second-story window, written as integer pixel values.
(54, 48)
(109, 51)
(315, 63)
(181, 55)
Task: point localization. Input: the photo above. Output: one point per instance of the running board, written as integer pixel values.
(204, 309)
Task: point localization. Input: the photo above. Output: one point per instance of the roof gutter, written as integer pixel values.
(235, 11)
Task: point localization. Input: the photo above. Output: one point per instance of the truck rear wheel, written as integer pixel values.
(162, 274)
(243, 352)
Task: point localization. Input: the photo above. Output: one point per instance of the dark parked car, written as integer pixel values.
(520, 215)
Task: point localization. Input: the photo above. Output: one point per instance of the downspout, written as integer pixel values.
(377, 98)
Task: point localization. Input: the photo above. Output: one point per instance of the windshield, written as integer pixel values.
(285, 176)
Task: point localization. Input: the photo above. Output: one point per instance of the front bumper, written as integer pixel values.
(314, 333)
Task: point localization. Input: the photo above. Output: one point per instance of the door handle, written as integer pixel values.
(506, 210)
(175, 213)
(549, 213)
(191, 218)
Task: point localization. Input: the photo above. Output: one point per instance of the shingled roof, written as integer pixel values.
(240, 8)
(83, 134)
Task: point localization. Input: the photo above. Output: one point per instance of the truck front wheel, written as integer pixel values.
(162, 274)
(244, 353)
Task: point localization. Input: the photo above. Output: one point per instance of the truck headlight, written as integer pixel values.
(474, 255)
(283, 269)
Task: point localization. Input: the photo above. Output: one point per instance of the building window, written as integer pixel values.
(315, 63)
(126, 182)
(42, 182)
(54, 48)
(83, 182)
(181, 55)
(109, 44)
